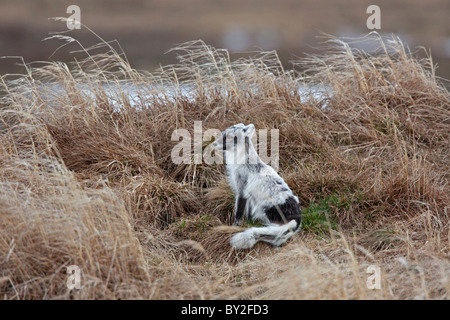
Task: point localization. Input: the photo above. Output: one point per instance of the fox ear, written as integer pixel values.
(249, 130)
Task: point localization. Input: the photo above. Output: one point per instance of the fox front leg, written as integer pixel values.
(239, 210)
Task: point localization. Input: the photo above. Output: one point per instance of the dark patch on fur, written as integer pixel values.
(240, 208)
(247, 148)
(241, 182)
(255, 167)
(290, 209)
(265, 237)
(258, 167)
(224, 144)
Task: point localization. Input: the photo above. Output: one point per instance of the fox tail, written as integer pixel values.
(274, 234)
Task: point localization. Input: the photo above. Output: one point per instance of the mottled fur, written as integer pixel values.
(261, 194)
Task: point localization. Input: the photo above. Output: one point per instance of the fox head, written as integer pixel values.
(233, 135)
(235, 139)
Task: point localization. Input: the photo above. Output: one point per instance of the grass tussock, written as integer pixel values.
(86, 176)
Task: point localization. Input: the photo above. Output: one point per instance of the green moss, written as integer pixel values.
(316, 218)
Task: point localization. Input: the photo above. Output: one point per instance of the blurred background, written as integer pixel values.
(147, 29)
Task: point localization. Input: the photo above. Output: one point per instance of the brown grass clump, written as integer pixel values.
(86, 176)
(49, 223)
(159, 200)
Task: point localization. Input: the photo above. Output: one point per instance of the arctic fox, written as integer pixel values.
(260, 193)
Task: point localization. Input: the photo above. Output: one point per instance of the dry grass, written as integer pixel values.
(86, 177)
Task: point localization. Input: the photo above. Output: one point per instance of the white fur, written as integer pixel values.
(275, 235)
